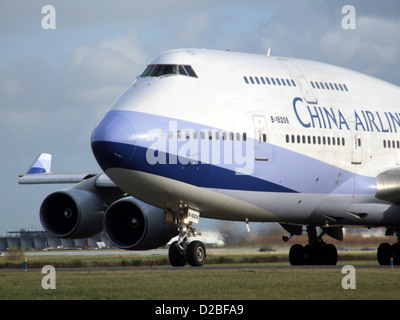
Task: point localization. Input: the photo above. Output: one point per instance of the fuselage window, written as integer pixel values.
(288, 82)
(293, 83)
(269, 82)
(246, 80)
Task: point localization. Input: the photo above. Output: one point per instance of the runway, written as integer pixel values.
(218, 259)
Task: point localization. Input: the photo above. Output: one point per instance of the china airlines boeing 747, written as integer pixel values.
(240, 137)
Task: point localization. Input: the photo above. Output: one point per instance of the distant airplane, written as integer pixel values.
(243, 137)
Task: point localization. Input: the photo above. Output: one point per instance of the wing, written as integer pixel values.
(40, 173)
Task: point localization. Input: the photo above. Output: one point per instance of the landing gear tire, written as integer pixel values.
(386, 252)
(177, 256)
(330, 255)
(196, 253)
(396, 253)
(296, 255)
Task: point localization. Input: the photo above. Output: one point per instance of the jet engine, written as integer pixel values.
(134, 225)
(73, 213)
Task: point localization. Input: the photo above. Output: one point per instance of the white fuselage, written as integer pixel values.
(255, 137)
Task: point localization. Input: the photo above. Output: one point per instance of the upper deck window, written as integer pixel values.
(159, 70)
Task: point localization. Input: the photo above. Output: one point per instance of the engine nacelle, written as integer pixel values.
(73, 213)
(134, 225)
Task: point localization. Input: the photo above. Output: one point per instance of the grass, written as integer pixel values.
(258, 276)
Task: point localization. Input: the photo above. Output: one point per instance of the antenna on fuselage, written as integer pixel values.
(269, 52)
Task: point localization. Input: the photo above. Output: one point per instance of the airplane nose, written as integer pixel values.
(113, 141)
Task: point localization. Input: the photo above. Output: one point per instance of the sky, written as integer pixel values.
(55, 84)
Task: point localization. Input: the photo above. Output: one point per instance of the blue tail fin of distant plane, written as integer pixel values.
(41, 165)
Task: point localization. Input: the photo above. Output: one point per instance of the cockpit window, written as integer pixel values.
(160, 70)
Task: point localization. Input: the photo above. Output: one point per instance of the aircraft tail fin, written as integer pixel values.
(41, 165)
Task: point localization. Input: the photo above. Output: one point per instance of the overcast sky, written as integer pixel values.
(56, 84)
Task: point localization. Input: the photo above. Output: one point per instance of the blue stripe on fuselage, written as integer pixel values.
(201, 175)
(286, 170)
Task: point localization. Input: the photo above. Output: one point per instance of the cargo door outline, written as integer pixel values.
(301, 80)
(261, 138)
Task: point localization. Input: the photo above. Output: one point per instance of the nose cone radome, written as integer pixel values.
(113, 141)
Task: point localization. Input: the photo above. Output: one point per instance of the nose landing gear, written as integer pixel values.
(183, 250)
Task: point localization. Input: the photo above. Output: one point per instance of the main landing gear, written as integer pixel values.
(183, 250)
(387, 252)
(316, 252)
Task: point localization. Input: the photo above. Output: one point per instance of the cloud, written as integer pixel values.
(365, 48)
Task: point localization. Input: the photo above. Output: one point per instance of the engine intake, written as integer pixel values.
(73, 213)
(134, 225)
